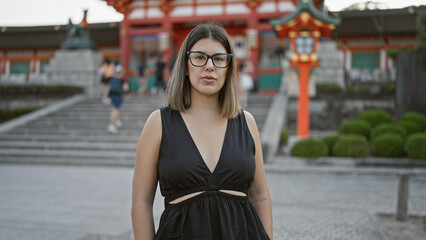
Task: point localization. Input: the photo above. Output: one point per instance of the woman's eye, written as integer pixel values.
(201, 57)
(219, 58)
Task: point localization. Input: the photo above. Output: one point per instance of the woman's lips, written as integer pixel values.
(208, 78)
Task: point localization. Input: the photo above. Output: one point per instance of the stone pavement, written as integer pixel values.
(93, 202)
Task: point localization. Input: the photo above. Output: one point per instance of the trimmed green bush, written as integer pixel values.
(356, 126)
(284, 136)
(6, 115)
(417, 118)
(328, 88)
(329, 141)
(409, 126)
(375, 116)
(351, 146)
(388, 128)
(416, 146)
(14, 90)
(387, 89)
(309, 148)
(388, 145)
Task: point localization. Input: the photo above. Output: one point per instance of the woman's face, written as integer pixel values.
(208, 79)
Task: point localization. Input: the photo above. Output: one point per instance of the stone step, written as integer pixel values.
(125, 162)
(85, 125)
(78, 134)
(72, 132)
(104, 154)
(71, 145)
(60, 137)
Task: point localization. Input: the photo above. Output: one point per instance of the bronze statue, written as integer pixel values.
(78, 36)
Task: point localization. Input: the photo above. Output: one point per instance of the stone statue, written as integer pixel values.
(78, 36)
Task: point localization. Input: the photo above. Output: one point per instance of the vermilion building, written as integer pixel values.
(160, 26)
(150, 26)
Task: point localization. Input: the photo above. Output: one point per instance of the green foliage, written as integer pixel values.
(416, 146)
(416, 118)
(375, 116)
(388, 145)
(392, 53)
(6, 115)
(421, 26)
(356, 126)
(13, 90)
(388, 128)
(330, 141)
(387, 89)
(409, 126)
(328, 88)
(351, 146)
(309, 148)
(284, 136)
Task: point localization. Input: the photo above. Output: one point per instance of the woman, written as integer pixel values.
(204, 150)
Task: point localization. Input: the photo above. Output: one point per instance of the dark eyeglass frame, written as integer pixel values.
(228, 55)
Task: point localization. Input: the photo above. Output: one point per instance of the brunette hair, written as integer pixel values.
(178, 86)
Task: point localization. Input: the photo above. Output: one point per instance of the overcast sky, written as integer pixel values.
(53, 12)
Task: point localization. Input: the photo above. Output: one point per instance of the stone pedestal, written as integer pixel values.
(76, 68)
(331, 64)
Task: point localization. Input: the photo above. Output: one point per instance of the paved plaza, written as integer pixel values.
(78, 203)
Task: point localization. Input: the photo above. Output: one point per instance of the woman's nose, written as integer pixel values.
(209, 63)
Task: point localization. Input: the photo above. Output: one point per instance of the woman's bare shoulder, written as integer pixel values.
(153, 124)
(251, 122)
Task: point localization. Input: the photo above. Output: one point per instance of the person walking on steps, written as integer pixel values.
(204, 151)
(116, 87)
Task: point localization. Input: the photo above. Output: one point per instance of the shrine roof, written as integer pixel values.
(39, 37)
(356, 23)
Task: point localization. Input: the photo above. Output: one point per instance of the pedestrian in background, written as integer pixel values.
(245, 81)
(159, 74)
(203, 150)
(142, 78)
(116, 88)
(106, 74)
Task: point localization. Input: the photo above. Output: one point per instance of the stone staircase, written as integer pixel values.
(77, 135)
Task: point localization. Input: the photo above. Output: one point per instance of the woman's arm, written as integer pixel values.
(259, 192)
(145, 178)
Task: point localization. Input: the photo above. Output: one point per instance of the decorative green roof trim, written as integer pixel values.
(308, 6)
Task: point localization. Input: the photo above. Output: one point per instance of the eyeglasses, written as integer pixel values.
(199, 59)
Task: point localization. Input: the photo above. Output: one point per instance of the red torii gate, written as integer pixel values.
(304, 27)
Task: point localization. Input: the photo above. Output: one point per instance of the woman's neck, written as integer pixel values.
(204, 104)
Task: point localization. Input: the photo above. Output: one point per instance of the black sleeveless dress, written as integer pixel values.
(182, 170)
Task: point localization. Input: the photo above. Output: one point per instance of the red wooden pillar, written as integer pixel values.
(303, 100)
(3, 63)
(167, 29)
(125, 47)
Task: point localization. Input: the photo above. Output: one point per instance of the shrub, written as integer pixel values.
(328, 88)
(310, 148)
(13, 90)
(356, 126)
(388, 128)
(387, 89)
(417, 118)
(329, 141)
(351, 146)
(284, 136)
(415, 146)
(375, 117)
(409, 126)
(388, 145)
(6, 115)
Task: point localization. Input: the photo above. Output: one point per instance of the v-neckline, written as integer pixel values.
(198, 151)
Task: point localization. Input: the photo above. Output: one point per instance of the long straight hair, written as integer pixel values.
(179, 86)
